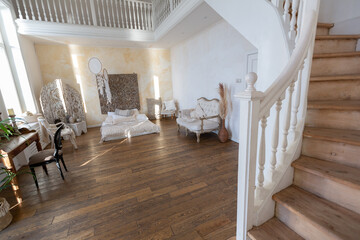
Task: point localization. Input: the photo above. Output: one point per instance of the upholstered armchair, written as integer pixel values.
(203, 118)
(168, 108)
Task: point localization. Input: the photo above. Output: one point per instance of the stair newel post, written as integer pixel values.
(19, 11)
(295, 108)
(275, 137)
(287, 121)
(261, 158)
(293, 22)
(249, 124)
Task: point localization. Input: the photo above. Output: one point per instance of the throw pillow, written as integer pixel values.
(125, 113)
(170, 105)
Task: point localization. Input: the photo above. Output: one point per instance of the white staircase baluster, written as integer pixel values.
(93, 12)
(261, 159)
(87, 13)
(82, 12)
(19, 11)
(31, 11)
(43, 10)
(113, 13)
(299, 21)
(108, 12)
(66, 12)
(295, 108)
(130, 14)
(293, 22)
(119, 13)
(143, 13)
(136, 15)
(275, 137)
(146, 24)
(61, 12)
(126, 18)
(104, 15)
(55, 11)
(287, 121)
(286, 15)
(72, 12)
(38, 10)
(50, 14)
(116, 14)
(25, 9)
(77, 12)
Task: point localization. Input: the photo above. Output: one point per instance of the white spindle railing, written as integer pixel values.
(130, 14)
(265, 122)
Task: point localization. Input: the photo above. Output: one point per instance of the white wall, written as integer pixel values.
(217, 54)
(260, 23)
(32, 68)
(334, 11)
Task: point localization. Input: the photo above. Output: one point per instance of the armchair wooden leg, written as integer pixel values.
(73, 142)
(186, 132)
(198, 137)
(178, 127)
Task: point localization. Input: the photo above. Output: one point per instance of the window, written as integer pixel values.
(14, 83)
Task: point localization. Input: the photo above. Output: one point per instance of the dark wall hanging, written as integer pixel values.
(124, 93)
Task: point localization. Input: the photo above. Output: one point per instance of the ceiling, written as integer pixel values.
(199, 19)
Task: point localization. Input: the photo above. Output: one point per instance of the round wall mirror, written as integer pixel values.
(95, 65)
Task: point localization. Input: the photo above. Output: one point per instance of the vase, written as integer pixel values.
(5, 215)
(223, 133)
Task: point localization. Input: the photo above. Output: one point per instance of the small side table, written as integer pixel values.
(79, 127)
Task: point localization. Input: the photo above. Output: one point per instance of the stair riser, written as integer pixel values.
(320, 31)
(338, 193)
(301, 225)
(335, 66)
(333, 119)
(331, 151)
(335, 46)
(334, 90)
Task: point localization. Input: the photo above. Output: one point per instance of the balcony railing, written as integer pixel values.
(124, 14)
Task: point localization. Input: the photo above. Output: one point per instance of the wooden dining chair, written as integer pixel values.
(47, 156)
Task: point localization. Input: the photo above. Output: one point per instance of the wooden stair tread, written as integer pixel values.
(334, 135)
(335, 78)
(335, 105)
(323, 214)
(336, 55)
(273, 229)
(325, 25)
(337, 37)
(340, 173)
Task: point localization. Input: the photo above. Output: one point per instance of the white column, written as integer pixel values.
(249, 110)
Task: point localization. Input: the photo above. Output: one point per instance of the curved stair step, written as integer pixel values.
(333, 181)
(334, 114)
(335, 44)
(313, 217)
(336, 145)
(335, 78)
(326, 64)
(273, 229)
(323, 28)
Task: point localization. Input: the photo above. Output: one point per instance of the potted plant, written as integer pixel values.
(223, 92)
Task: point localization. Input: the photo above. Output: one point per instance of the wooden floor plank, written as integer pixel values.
(139, 188)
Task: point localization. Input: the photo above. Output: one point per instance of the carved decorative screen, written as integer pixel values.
(124, 93)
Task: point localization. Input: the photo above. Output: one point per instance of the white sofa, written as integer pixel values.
(203, 118)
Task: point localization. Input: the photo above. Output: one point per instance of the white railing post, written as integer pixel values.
(287, 121)
(293, 22)
(261, 158)
(295, 109)
(275, 137)
(38, 10)
(25, 9)
(32, 11)
(249, 123)
(19, 11)
(43, 10)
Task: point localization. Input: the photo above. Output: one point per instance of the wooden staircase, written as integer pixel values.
(324, 200)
